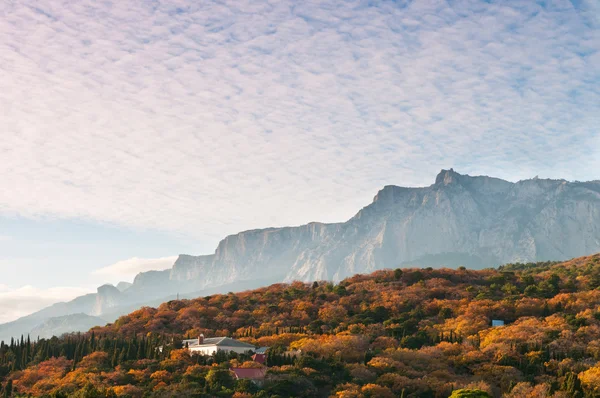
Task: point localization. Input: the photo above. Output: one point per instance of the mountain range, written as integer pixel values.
(476, 221)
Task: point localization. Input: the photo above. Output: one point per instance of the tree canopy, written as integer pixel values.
(392, 333)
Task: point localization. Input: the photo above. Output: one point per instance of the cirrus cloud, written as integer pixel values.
(24, 300)
(18, 302)
(126, 270)
(209, 117)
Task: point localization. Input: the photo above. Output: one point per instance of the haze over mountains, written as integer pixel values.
(458, 220)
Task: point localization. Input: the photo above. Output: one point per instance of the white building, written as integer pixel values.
(208, 346)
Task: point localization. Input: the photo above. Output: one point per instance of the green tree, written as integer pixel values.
(531, 290)
(572, 385)
(397, 274)
(88, 391)
(465, 393)
(528, 280)
(245, 385)
(8, 389)
(217, 379)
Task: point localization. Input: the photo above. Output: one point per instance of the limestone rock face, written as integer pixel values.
(459, 220)
(122, 286)
(107, 297)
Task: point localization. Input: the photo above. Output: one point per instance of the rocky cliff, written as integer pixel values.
(458, 220)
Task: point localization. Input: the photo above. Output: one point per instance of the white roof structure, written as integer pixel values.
(218, 341)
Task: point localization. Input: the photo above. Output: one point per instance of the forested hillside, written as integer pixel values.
(393, 333)
(477, 221)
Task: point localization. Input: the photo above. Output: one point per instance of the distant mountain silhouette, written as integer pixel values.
(459, 220)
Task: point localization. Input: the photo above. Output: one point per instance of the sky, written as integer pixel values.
(133, 131)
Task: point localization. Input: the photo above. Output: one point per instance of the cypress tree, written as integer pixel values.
(122, 356)
(8, 389)
(572, 385)
(115, 358)
(129, 354)
(140, 350)
(28, 350)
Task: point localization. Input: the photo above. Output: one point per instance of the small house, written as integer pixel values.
(260, 355)
(209, 346)
(259, 358)
(257, 375)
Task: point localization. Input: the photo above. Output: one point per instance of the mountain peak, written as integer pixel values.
(447, 177)
(477, 221)
(107, 289)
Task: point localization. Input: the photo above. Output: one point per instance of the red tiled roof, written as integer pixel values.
(249, 373)
(260, 358)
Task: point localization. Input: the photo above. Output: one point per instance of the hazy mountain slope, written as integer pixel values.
(24, 325)
(65, 324)
(123, 286)
(459, 220)
(72, 314)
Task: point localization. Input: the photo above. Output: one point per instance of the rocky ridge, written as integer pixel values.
(458, 220)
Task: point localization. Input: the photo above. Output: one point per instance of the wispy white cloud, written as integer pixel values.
(24, 300)
(209, 117)
(18, 302)
(126, 270)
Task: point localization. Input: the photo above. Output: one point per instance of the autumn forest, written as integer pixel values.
(393, 333)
